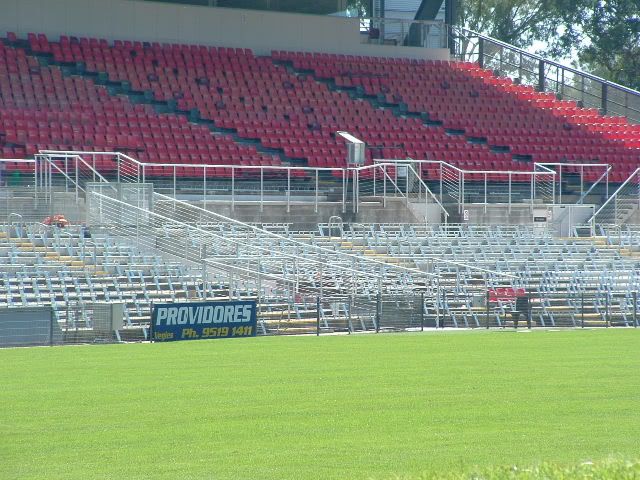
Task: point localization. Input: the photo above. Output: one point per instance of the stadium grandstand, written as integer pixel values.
(434, 234)
(335, 170)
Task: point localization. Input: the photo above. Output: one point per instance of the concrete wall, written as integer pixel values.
(303, 216)
(161, 22)
(560, 219)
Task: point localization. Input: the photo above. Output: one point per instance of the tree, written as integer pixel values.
(613, 33)
(359, 8)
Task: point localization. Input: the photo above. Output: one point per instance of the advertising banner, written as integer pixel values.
(203, 320)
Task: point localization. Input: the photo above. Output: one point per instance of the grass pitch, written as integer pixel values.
(361, 406)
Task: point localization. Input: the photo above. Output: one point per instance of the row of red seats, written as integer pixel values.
(42, 109)
(450, 102)
(249, 95)
(259, 92)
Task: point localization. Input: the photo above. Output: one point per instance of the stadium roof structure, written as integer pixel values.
(317, 7)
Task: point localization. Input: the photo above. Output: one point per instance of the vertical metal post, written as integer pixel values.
(357, 173)
(560, 185)
(204, 187)
(52, 318)
(509, 191)
(375, 175)
(607, 312)
(384, 186)
(315, 207)
(76, 174)
(261, 189)
(174, 181)
(35, 182)
(438, 322)
(520, 67)
(93, 165)
(441, 192)
(422, 311)
(51, 195)
(487, 312)
(118, 162)
(354, 187)
(406, 186)
(349, 323)
(233, 188)
(485, 192)
(317, 316)
(288, 190)
(345, 178)
(635, 309)
(378, 314)
(533, 188)
(541, 76)
(582, 309)
(66, 174)
(461, 204)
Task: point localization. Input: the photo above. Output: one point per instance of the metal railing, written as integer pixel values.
(621, 205)
(236, 184)
(349, 188)
(70, 168)
(462, 187)
(545, 75)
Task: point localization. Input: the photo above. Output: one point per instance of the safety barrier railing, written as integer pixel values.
(407, 179)
(621, 205)
(68, 168)
(545, 75)
(461, 187)
(177, 228)
(237, 184)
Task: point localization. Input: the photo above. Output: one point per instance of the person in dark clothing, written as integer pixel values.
(522, 308)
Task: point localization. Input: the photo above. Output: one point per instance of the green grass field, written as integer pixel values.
(361, 406)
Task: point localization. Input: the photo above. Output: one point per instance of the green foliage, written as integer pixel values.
(359, 8)
(333, 407)
(518, 22)
(613, 32)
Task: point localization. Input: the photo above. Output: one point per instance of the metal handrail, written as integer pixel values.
(597, 91)
(479, 172)
(431, 194)
(613, 196)
(590, 76)
(604, 174)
